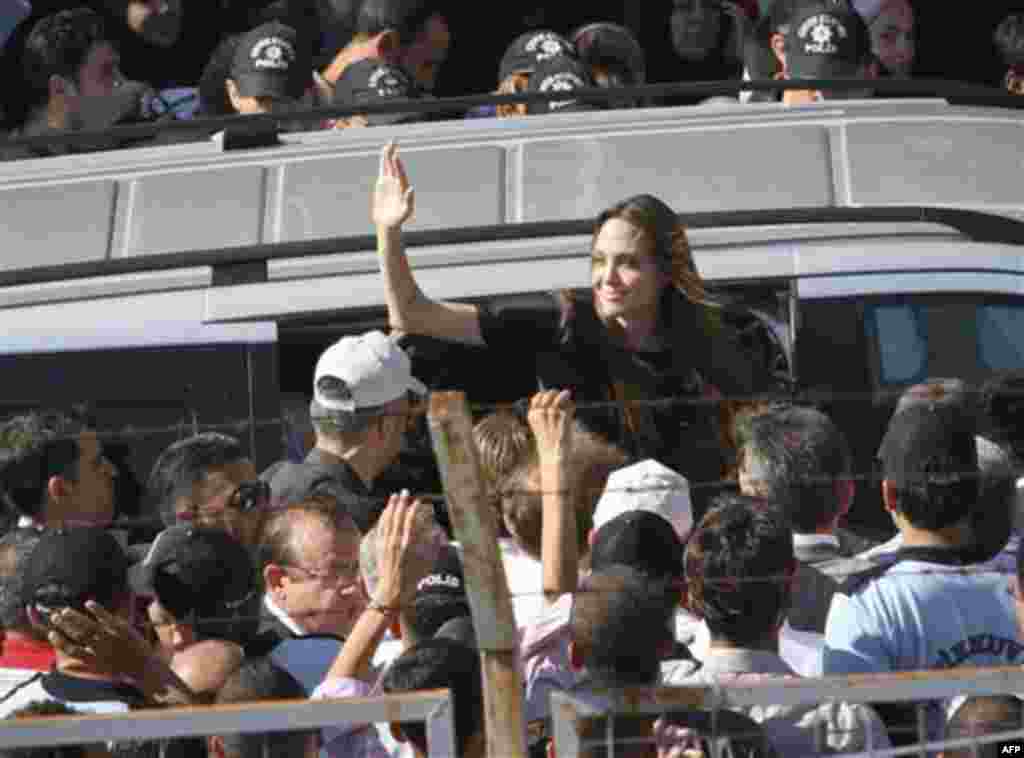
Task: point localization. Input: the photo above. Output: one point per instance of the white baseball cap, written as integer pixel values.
(363, 372)
(647, 486)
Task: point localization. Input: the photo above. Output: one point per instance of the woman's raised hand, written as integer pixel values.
(393, 198)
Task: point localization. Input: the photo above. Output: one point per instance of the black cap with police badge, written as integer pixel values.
(373, 80)
(529, 50)
(827, 39)
(560, 74)
(268, 62)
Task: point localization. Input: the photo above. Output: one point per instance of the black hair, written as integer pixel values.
(213, 94)
(186, 463)
(1002, 401)
(407, 17)
(796, 455)
(621, 624)
(982, 716)
(258, 679)
(34, 447)
(15, 548)
(431, 611)
(440, 664)
(58, 45)
(738, 561)
(1009, 39)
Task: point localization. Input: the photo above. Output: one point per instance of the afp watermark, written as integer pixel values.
(1015, 747)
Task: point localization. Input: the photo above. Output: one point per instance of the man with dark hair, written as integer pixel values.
(740, 568)
(412, 34)
(363, 394)
(260, 680)
(53, 471)
(309, 559)
(25, 651)
(203, 586)
(925, 607)
(64, 570)
(72, 71)
(208, 480)
(981, 717)
(797, 459)
(441, 664)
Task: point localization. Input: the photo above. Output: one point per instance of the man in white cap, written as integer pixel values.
(363, 395)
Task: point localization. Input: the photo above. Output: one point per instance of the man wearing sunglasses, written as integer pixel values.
(363, 404)
(207, 480)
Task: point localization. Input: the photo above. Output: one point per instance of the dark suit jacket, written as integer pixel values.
(823, 567)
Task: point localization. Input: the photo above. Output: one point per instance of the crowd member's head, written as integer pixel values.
(206, 666)
(72, 71)
(503, 442)
(893, 33)
(260, 680)
(208, 480)
(213, 87)
(412, 34)
(614, 56)
(203, 586)
(592, 462)
(68, 568)
(40, 709)
(981, 717)
(15, 548)
(441, 664)
(640, 251)
(309, 556)
(270, 70)
(696, 28)
(440, 595)
(799, 460)
(1002, 399)
(930, 467)
(53, 470)
(562, 75)
(363, 400)
(641, 540)
(827, 39)
(739, 567)
(620, 626)
(372, 81)
(1009, 40)
(520, 60)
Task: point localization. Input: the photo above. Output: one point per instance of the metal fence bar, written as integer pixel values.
(861, 688)
(431, 706)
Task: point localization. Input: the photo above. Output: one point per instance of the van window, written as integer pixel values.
(966, 336)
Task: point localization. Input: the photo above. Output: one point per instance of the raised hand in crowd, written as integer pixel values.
(550, 418)
(402, 561)
(111, 644)
(393, 199)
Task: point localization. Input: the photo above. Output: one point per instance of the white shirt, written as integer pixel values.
(812, 540)
(281, 616)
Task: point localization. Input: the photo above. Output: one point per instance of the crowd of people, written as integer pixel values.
(91, 65)
(695, 541)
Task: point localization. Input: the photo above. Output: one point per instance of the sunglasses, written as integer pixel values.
(251, 495)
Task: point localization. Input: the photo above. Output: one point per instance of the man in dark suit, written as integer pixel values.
(796, 457)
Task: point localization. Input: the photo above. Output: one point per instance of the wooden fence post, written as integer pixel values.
(475, 526)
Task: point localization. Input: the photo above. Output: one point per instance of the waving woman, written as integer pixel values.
(645, 331)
